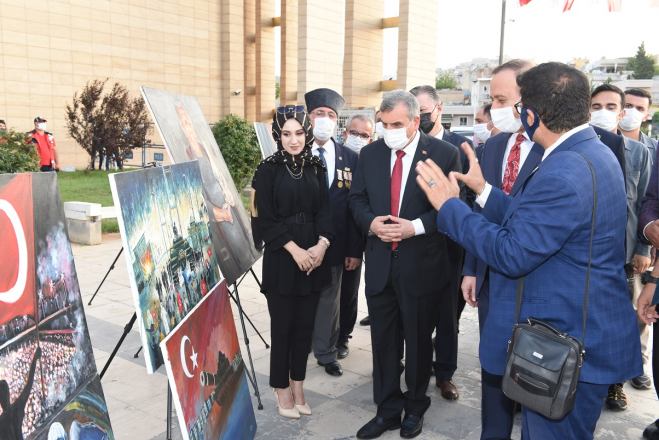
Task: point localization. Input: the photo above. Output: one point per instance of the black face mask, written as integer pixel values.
(426, 125)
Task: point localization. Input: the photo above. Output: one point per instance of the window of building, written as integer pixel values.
(158, 157)
(463, 120)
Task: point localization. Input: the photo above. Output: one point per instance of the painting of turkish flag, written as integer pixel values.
(17, 257)
(207, 374)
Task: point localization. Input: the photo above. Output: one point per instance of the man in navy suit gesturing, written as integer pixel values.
(542, 233)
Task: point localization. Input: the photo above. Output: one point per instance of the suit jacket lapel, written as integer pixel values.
(382, 169)
(531, 162)
(338, 165)
(500, 153)
(411, 186)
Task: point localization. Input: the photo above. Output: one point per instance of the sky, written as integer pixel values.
(539, 31)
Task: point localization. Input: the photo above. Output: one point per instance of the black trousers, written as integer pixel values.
(45, 168)
(291, 325)
(446, 337)
(395, 315)
(348, 309)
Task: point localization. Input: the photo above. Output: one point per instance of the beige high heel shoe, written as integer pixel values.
(303, 409)
(290, 413)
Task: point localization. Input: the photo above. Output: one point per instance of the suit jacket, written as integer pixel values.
(616, 144)
(421, 257)
(542, 233)
(490, 158)
(348, 240)
(650, 209)
(455, 139)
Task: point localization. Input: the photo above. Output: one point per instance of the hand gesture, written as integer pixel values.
(303, 259)
(474, 178)
(385, 232)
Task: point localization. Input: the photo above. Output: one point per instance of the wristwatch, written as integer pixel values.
(648, 278)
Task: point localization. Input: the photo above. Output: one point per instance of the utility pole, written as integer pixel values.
(503, 28)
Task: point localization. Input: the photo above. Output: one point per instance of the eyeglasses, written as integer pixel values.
(284, 109)
(518, 107)
(365, 136)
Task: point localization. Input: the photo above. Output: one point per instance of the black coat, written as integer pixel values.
(295, 210)
(424, 262)
(348, 240)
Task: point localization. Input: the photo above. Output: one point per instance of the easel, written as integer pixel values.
(235, 296)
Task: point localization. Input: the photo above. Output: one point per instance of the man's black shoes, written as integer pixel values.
(378, 426)
(342, 350)
(411, 426)
(332, 368)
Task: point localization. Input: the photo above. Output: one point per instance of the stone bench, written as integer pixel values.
(83, 221)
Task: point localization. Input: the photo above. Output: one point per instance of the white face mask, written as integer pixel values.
(396, 138)
(481, 132)
(604, 119)
(41, 126)
(355, 143)
(323, 128)
(504, 119)
(632, 120)
(379, 129)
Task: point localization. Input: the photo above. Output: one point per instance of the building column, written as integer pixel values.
(232, 57)
(321, 30)
(289, 52)
(417, 43)
(249, 92)
(265, 60)
(362, 64)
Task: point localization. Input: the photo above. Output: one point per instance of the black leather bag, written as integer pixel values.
(543, 363)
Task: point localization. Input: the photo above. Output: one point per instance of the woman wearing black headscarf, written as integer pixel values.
(294, 221)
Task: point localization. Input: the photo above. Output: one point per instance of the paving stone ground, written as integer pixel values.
(137, 401)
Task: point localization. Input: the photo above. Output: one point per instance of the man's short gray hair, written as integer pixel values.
(361, 117)
(395, 97)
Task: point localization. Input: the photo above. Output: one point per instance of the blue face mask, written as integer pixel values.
(529, 129)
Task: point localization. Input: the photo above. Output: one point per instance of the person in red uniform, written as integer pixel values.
(44, 142)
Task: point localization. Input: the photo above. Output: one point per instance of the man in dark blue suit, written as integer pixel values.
(404, 259)
(323, 106)
(509, 157)
(451, 303)
(542, 233)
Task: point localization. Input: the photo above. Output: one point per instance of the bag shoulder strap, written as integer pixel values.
(520, 282)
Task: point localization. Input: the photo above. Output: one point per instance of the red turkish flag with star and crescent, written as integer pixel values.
(17, 296)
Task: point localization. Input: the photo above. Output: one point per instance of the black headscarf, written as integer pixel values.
(282, 115)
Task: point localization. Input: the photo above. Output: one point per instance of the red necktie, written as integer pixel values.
(512, 165)
(396, 180)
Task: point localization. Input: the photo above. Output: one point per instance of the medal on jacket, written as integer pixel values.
(339, 178)
(347, 175)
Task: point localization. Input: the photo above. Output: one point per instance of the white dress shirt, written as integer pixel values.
(407, 160)
(330, 158)
(482, 198)
(524, 150)
(440, 133)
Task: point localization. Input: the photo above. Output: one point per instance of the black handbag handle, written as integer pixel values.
(520, 283)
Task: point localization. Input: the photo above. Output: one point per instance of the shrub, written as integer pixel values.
(16, 155)
(239, 146)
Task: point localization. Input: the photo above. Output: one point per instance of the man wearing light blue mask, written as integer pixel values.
(345, 252)
(637, 111)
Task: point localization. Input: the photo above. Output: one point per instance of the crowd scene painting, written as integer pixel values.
(187, 136)
(46, 357)
(207, 373)
(164, 226)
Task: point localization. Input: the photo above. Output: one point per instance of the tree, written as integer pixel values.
(445, 80)
(110, 124)
(642, 64)
(239, 146)
(16, 154)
